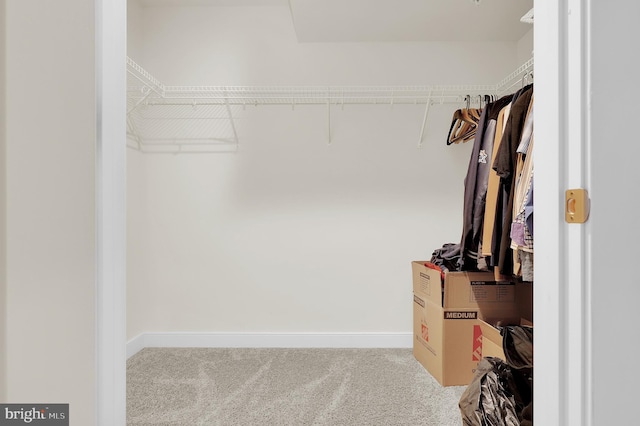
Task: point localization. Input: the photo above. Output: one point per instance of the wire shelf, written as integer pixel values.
(203, 118)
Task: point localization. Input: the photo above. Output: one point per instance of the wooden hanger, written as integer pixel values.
(464, 124)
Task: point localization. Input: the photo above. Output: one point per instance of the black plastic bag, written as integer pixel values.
(489, 399)
(517, 343)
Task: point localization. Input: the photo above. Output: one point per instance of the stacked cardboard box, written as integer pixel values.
(447, 334)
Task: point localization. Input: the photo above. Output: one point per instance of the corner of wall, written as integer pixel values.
(3, 208)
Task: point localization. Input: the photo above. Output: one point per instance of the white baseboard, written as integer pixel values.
(268, 340)
(135, 345)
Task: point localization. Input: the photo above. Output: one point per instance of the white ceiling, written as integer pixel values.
(393, 20)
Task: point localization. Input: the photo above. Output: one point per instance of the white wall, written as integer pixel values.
(3, 207)
(613, 183)
(134, 29)
(51, 131)
(525, 47)
(257, 46)
(291, 234)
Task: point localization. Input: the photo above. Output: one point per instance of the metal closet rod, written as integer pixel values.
(263, 95)
(307, 95)
(151, 92)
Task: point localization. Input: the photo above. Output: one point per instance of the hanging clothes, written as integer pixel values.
(522, 224)
(497, 229)
(469, 254)
(475, 185)
(493, 186)
(505, 166)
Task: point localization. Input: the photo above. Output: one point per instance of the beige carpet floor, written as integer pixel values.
(264, 387)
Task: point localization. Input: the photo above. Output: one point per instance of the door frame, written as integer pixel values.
(111, 161)
(562, 390)
(561, 293)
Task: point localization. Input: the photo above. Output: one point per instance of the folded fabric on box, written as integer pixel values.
(447, 257)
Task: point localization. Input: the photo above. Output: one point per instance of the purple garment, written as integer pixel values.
(528, 209)
(517, 233)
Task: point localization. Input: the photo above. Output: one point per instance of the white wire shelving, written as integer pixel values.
(203, 118)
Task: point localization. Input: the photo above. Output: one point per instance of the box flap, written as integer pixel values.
(490, 332)
(427, 282)
(491, 341)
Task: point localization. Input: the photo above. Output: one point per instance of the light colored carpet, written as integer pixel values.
(263, 387)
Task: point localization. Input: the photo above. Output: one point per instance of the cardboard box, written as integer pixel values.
(447, 343)
(447, 336)
(492, 338)
(478, 291)
(525, 321)
(491, 341)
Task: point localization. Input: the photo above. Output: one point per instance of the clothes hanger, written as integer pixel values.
(456, 124)
(456, 127)
(464, 123)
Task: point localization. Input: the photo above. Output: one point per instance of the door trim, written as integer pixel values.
(111, 52)
(561, 291)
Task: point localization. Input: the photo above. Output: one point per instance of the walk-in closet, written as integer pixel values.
(288, 160)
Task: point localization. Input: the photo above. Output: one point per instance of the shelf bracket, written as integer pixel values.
(328, 120)
(231, 121)
(144, 98)
(134, 132)
(424, 120)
